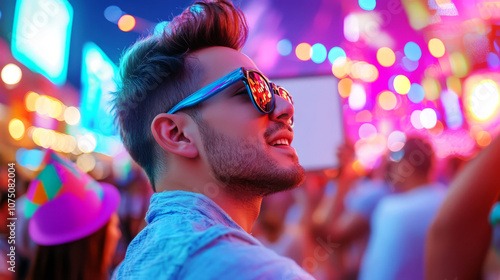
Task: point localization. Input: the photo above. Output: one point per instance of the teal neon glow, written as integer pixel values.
(318, 53)
(41, 36)
(98, 81)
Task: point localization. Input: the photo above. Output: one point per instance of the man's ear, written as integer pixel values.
(174, 133)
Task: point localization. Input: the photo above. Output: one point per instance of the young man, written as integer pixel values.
(214, 137)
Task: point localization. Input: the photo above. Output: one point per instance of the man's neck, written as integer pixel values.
(243, 209)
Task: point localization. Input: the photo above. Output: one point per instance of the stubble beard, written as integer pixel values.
(244, 168)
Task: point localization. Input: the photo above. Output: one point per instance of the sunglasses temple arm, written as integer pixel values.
(208, 91)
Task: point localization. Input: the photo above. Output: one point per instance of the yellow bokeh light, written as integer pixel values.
(86, 162)
(484, 100)
(341, 67)
(459, 64)
(402, 84)
(303, 51)
(454, 84)
(483, 138)
(386, 57)
(11, 74)
(30, 101)
(387, 100)
(126, 23)
(72, 115)
(56, 109)
(436, 47)
(369, 73)
(344, 87)
(16, 129)
(432, 88)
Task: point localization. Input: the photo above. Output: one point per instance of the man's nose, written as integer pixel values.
(283, 110)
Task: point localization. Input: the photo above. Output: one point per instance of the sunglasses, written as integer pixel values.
(259, 88)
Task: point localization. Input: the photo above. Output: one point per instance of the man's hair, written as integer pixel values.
(157, 72)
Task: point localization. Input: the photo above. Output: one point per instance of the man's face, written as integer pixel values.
(245, 149)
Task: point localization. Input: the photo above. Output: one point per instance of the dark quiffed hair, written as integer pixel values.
(157, 72)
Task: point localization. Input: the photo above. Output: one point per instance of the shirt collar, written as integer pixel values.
(169, 202)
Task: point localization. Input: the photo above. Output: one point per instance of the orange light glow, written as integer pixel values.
(126, 23)
(303, 51)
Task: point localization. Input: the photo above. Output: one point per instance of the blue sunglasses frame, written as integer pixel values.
(240, 74)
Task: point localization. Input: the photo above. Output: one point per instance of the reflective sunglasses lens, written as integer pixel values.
(285, 94)
(260, 91)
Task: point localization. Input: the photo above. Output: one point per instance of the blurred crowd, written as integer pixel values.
(411, 217)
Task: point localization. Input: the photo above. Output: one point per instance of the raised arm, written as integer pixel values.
(459, 237)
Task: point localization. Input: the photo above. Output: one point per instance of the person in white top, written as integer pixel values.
(400, 222)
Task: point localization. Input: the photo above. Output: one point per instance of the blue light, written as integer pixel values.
(335, 53)
(409, 65)
(160, 27)
(113, 13)
(284, 47)
(30, 159)
(318, 53)
(98, 81)
(41, 36)
(493, 61)
(412, 51)
(495, 45)
(367, 5)
(416, 93)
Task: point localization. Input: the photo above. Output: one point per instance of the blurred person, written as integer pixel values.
(73, 220)
(461, 233)
(347, 222)
(400, 221)
(213, 136)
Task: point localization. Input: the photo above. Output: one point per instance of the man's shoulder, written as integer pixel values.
(234, 257)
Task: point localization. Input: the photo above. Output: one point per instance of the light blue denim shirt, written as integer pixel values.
(189, 236)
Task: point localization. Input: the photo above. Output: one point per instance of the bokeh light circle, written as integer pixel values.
(16, 129)
(336, 53)
(367, 130)
(484, 100)
(284, 47)
(396, 141)
(344, 87)
(412, 51)
(415, 119)
(11, 74)
(428, 118)
(436, 47)
(357, 97)
(126, 23)
(386, 57)
(367, 5)
(318, 53)
(402, 84)
(409, 65)
(387, 100)
(303, 51)
(113, 13)
(416, 93)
